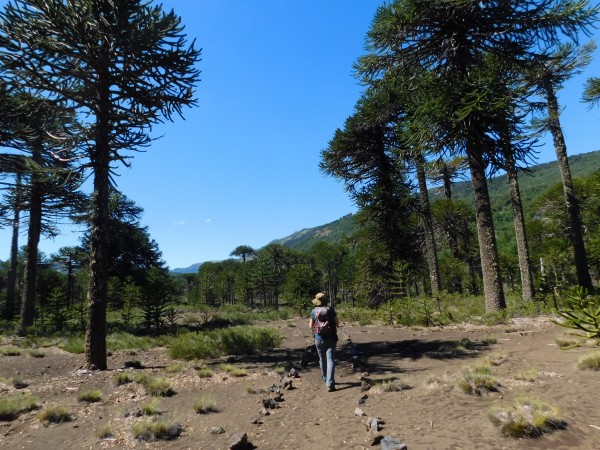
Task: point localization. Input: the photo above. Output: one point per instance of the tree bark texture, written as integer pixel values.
(11, 288)
(527, 288)
(33, 239)
(581, 266)
(488, 250)
(430, 245)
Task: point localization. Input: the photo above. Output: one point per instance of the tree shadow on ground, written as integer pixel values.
(373, 357)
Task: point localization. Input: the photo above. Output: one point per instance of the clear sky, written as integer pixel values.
(242, 169)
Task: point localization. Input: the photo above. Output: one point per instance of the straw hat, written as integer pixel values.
(319, 299)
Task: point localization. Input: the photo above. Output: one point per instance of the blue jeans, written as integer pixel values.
(326, 351)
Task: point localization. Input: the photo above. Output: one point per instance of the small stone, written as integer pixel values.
(391, 443)
(359, 412)
(217, 430)
(238, 441)
(264, 412)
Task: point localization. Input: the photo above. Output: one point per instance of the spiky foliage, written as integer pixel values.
(581, 312)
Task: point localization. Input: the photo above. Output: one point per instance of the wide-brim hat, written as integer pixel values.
(319, 299)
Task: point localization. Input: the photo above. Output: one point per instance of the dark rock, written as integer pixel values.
(376, 438)
(286, 383)
(273, 388)
(362, 399)
(277, 396)
(365, 385)
(270, 403)
(293, 373)
(391, 443)
(238, 441)
(258, 420)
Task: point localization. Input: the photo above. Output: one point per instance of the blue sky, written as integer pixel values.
(243, 167)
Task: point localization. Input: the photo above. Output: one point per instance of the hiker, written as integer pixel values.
(323, 324)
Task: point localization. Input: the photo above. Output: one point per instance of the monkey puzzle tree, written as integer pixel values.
(450, 39)
(123, 66)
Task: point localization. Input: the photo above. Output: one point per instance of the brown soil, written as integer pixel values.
(431, 413)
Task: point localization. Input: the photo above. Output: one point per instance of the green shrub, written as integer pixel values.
(527, 418)
(11, 406)
(175, 368)
(92, 396)
(192, 346)
(151, 430)
(55, 414)
(591, 361)
(73, 345)
(245, 340)
(204, 372)
(489, 340)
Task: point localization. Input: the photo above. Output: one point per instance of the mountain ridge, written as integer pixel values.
(538, 179)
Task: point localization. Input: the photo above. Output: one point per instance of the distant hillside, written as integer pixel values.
(191, 269)
(537, 180)
(332, 232)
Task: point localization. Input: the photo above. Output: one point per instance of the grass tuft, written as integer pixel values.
(122, 378)
(55, 414)
(152, 430)
(478, 380)
(205, 404)
(91, 396)
(529, 375)
(11, 406)
(591, 361)
(157, 387)
(105, 432)
(151, 408)
(36, 353)
(567, 342)
(527, 418)
(10, 350)
(233, 370)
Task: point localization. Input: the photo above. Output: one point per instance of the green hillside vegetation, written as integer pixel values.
(534, 182)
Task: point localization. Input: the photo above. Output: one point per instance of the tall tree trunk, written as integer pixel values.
(95, 336)
(430, 246)
(11, 289)
(527, 288)
(488, 250)
(33, 239)
(581, 266)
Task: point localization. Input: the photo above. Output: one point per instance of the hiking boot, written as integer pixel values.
(331, 389)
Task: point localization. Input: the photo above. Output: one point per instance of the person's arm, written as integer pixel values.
(310, 323)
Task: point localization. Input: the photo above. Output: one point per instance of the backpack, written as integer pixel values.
(324, 323)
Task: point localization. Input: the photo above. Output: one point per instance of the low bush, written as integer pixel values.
(158, 387)
(10, 350)
(233, 370)
(529, 375)
(105, 432)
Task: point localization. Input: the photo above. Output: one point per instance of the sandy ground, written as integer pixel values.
(432, 412)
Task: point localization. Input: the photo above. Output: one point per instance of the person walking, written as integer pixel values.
(323, 324)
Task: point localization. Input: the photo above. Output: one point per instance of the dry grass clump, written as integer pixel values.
(11, 406)
(105, 432)
(36, 353)
(151, 408)
(391, 385)
(233, 370)
(591, 361)
(157, 387)
(10, 350)
(91, 396)
(527, 418)
(122, 378)
(530, 375)
(489, 340)
(175, 368)
(567, 342)
(478, 380)
(55, 414)
(156, 429)
(204, 372)
(495, 360)
(205, 404)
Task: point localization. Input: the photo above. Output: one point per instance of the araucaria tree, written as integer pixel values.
(121, 66)
(451, 40)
